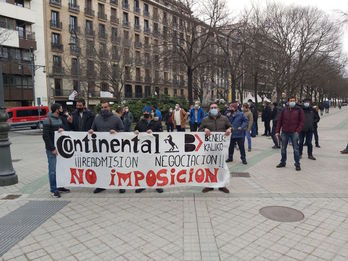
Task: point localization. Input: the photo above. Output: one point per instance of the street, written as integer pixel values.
(183, 223)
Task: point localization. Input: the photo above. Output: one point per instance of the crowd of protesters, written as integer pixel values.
(293, 122)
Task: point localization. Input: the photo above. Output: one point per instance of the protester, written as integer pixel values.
(196, 117)
(119, 112)
(158, 113)
(345, 151)
(169, 120)
(149, 125)
(253, 109)
(266, 118)
(307, 129)
(321, 108)
(127, 119)
(283, 101)
(51, 124)
(327, 106)
(215, 122)
(82, 118)
(106, 121)
(290, 122)
(240, 124)
(249, 116)
(315, 127)
(179, 118)
(64, 116)
(275, 115)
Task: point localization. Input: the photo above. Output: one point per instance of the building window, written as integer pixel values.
(147, 91)
(146, 26)
(157, 91)
(57, 61)
(146, 9)
(104, 86)
(54, 18)
(138, 91)
(73, 23)
(76, 85)
(125, 19)
(3, 52)
(125, 4)
(58, 87)
(89, 26)
(166, 91)
(175, 92)
(128, 91)
(182, 93)
(55, 39)
(136, 22)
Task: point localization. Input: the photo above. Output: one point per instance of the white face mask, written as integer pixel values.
(306, 104)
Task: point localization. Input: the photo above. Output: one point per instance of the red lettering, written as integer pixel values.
(151, 178)
(211, 177)
(162, 180)
(199, 175)
(124, 177)
(181, 173)
(191, 173)
(91, 177)
(74, 176)
(112, 181)
(138, 176)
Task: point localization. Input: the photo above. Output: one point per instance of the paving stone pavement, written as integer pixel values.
(183, 224)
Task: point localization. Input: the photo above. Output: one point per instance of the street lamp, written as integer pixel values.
(7, 173)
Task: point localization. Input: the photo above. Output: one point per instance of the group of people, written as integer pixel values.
(292, 123)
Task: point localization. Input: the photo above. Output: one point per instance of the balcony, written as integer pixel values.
(146, 13)
(57, 47)
(114, 2)
(74, 50)
(102, 35)
(138, 45)
(56, 3)
(137, 10)
(156, 33)
(74, 8)
(128, 77)
(126, 24)
(125, 6)
(57, 70)
(165, 21)
(155, 17)
(89, 12)
(74, 71)
(27, 41)
(102, 16)
(74, 28)
(147, 46)
(137, 27)
(114, 19)
(127, 43)
(147, 30)
(89, 32)
(55, 24)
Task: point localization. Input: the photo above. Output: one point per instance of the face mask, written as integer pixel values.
(196, 107)
(177, 107)
(170, 110)
(61, 113)
(146, 116)
(292, 104)
(306, 104)
(213, 112)
(80, 109)
(126, 110)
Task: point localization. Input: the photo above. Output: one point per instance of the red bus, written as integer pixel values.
(27, 116)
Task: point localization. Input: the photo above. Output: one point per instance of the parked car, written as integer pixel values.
(27, 116)
(344, 104)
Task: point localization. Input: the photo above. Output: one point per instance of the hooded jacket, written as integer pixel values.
(50, 125)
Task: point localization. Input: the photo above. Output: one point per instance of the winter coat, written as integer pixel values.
(253, 110)
(316, 118)
(250, 118)
(183, 117)
(50, 125)
(143, 125)
(266, 114)
(200, 116)
(238, 120)
(275, 113)
(218, 124)
(87, 121)
(308, 119)
(156, 125)
(111, 122)
(290, 120)
(168, 118)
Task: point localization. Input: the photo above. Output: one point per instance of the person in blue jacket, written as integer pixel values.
(239, 124)
(196, 117)
(158, 113)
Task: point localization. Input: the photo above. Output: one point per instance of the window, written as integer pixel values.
(137, 55)
(138, 91)
(166, 76)
(57, 61)
(136, 22)
(114, 33)
(19, 3)
(89, 26)
(147, 91)
(137, 73)
(101, 9)
(76, 85)
(102, 30)
(26, 55)
(55, 18)
(166, 91)
(125, 18)
(128, 91)
(58, 87)
(157, 91)
(55, 39)
(136, 4)
(73, 23)
(90, 67)
(146, 26)
(74, 66)
(146, 9)
(155, 27)
(20, 27)
(104, 86)
(147, 58)
(183, 93)
(113, 12)
(137, 38)
(102, 49)
(147, 40)
(126, 34)
(175, 92)
(125, 4)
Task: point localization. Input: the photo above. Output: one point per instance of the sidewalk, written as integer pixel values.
(183, 223)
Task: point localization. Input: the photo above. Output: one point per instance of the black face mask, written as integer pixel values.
(146, 116)
(80, 109)
(105, 113)
(61, 113)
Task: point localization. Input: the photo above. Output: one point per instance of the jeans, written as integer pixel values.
(178, 128)
(274, 138)
(170, 127)
(194, 127)
(267, 127)
(294, 137)
(308, 135)
(248, 136)
(52, 160)
(240, 142)
(253, 130)
(316, 136)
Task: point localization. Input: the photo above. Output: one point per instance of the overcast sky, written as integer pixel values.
(329, 6)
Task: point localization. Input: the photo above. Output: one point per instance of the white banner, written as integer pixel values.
(128, 161)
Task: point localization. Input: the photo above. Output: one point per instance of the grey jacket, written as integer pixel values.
(218, 124)
(50, 125)
(111, 122)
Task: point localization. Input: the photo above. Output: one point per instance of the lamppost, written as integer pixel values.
(7, 173)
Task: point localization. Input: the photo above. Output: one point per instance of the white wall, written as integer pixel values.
(9, 37)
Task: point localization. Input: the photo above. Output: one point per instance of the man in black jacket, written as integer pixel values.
(307, 130)
(253, 109)
(266, 118)
(82, 118)
(51, 124)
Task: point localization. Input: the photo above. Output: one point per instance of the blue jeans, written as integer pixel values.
(294, 137)
(253, 129)
(52, 160)
(308, 136)
(240, 142)
(248, 136)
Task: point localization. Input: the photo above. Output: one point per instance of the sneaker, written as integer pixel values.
(139, 190)
(244, 162)
(121, 191)
(159, 190)
(311, 157)
(344, 151)
(317, 146)
(229, 160)
(205, 190)
(276, 147)
(98, 190)
(56, 194)
(224, 190)
(249, 150)
(298, 168)
(64, 190)
(281, 165)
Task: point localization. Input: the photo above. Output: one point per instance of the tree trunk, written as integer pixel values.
(233, 87)
(301, 92)
(189, 83)
(255, 89)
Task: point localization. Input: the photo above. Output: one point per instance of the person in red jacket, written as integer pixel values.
(290, 122)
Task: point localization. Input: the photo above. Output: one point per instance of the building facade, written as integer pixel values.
(111, 49)
(22, 52)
